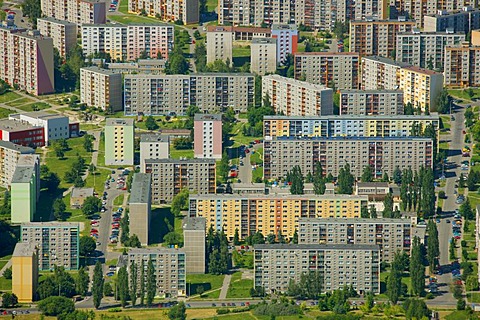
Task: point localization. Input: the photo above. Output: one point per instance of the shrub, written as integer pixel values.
(54, 306)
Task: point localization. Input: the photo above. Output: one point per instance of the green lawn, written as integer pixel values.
(4, 113)
(37, 106)
(257, 173)
(98, 181)
(239, 288)
(19, 102)
(239, 138)
(173, 123)
(446, 122)
(458, 315)
(4, 98)
(462, 93)
(176, 154)
(123, 6)
(5, 284)
(118, 201)
(241, 51)
(131, 19)
(88, 126)
(3, 263)
(207, 281)
(211, 5)
(256, 157)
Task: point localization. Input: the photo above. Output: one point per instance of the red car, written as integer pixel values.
(94, 231)
(94, 222)
(115, 225)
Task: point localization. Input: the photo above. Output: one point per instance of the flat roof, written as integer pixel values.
(23, 174)
(141, 188)
(50, 224)
(327, 54)
(432, 116)
(353, 220)
(423, 70)
(154, 137)
(119, 122)
(219, 29)
(187, 76)
(81, 192)
(23, 249)
(28, 159)
(40, 115)
(136, 251)
(355, 138)
(96, 69)
(284, 246)
(279, 196)
(252, 29)
(387, 61)
(373, 184)
(194, 223)
(264, 41)
(120, 25)
(295, 82)
(283, 26)
(207, 117)
(15, 147)
(209, 161)
(371, 91)
(15, 125)
(57, 21)
(392, 21)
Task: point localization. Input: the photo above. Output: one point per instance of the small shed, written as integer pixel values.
(78, 196)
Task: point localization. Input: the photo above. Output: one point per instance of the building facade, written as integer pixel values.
(153, 146)
(63, 33)
(9, 155)
(119, 141)
(207, 132)
(463, 20)
(118, 41)
(332, 69)
(140, 204)
(425, 49)
(220, 44)
(263, 56)
(297, 98)
(377, 37)
(211, 92)
(26, 60)
(25, 272)
(75, 11)
(55, 126)
(21, 133)
(338, 265)
(390, 235)
(270, 214)
(101, 88)
(25, 189)
(169, 266)
(347, 126)
(382, 154)
(462, 66)
(170, 176)
(57, 243)
(287, 39)
(371, 102)
(167, 10)
(194, 244)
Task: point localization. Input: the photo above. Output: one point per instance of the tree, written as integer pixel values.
(9, 300)
(318, 181)
(88, 142)
(173, 238)
(7, 274)
(151, 283)
(81, 282)
(54, 306)
(451, 249)
(97, 286)
(466, 211)
(32, 10)
(295, 237)
(388, 206)
(91, 205)
(133, 282)
(295, 178)
(397, 175)
(443, 102)
(107, 289)
(176, 64)
(142, 283)
(178, 312)
(236, 238)
(461, 181)
(59, 208)
(223, 167)
(394, 281)
(87, 246)
(417, 270)
(367, 175)
(150, 123)
(200, 57)
(415, 309)
(200, 290)
(180, 202)
(122, 286)
(79, 182)
(461, 304)
(373, 212)
(345, 180)
(364, 212)
(48, 179)
(64, 282)
(433, 250)
(133, 242)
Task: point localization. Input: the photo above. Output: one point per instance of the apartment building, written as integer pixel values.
(332, 69)
(207, 132)
(75, 11)
(101, 88)
(371, 102)
(425, 49)
(347, 126)
(390, 235)
(287, 39)
(140, 204)
(9, 155)
(119, 141)
(21, 133)
(211, 92)
(338, 265)
(377, 37)
(63, 33)
(194, 244)
(169, 266)
(186, 11)
(462, 66)
(25, 272)
(463, 20)
(263, 56)
(297, 98)
(382, 154)
(153, 146)
(170, 176)
(421, 87)
(220, 44)
(26, 60)
(270, 214)
(25, 188)
(57, 243)
(128, 42)
(366, 9)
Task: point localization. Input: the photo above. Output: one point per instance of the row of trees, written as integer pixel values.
(137, 284)
(125, 238)
(417, 190)
(62, 283)
(76, 171)
(218, 257)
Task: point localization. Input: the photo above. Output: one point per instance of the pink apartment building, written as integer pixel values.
(207, 131)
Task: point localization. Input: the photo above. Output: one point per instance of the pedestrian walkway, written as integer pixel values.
(226, 284)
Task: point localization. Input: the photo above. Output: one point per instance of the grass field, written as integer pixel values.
(463, 93)
(239, 138)
(207, 281)
(256, 157)
(37, 106)
(131, 18)
(177, 154)
(239, 288)
(241, 51)
(5, 112)
(123, 6)
(19, 102)
(4, 98)
(5, 284)
(118, 201)
(97, 181)
(257, 173)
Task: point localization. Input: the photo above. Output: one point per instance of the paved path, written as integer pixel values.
(5, 267)
(225, 285)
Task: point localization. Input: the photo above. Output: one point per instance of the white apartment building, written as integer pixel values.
(9, 155)
(297, 98)
(101, 88)
(75, 11)
(220, 44)
(128, 42)
(186, 11)
(339, 69)
(55, 126)
(63, 33)
(287, 39)
(263, 57)
(26, 60)
(371, 102)
(153, 146)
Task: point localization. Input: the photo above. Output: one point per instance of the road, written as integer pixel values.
(245, 171)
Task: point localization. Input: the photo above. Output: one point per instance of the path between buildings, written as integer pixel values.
(225, 285)
(5, 267)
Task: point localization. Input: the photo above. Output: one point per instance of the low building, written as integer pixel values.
(391, 235)
(263, 56)
(371, 102)
(144, 66)
(22, 133)
(119, 141)
(170, 176)
(338, 265)
(9, 155)
(78, 196)
(140, 204)
(374, 189)
(270, 214)
(169, 266)
(63, 33)
(194, 244)
(57, 242)
(101, 88)
(208, 137)
(25, 272)
(153, 146)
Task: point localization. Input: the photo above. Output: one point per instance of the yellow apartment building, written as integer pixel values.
(24, 272)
